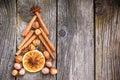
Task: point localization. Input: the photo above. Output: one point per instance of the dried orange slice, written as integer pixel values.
(33, 61)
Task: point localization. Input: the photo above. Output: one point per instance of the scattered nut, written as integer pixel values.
(31, 47)
(53, 71)
(45, 70)
(25, 50)
(18, 59)
(36, 42)
(48, 63)
(46, 54)
(17, 66)
(42, 48)
(36, 25)
(14, 72)
(22, 71)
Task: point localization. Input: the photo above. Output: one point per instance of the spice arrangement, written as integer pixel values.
(35, 50)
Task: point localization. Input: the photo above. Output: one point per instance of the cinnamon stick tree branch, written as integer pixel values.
(28, 27)
(42, 23)
(47, 40)
(26, 38)
(46, 46)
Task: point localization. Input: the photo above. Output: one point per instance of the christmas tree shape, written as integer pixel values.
(34, 33)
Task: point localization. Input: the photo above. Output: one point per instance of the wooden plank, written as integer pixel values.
(107, 40)
(7, 38)
(49, 17)
(75, 39)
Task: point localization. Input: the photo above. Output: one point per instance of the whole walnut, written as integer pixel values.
(36, 42)
(18, 59)
(31, 47)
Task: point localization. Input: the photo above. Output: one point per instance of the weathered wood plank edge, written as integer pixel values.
(7, 38)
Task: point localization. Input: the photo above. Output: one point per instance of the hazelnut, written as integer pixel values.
(37, 32)
(46, 54)
(14, 72)
(31, 47)
(18, 59)
(42, 48)
(22, 71)
(17, 66)
(36, 25)
(36, 42)
(25, 50)
(53, 71)
(48, 63)
(45, 70)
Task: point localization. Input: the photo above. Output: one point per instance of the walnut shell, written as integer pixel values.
(36, 42)
(18, 59)
(31, 47)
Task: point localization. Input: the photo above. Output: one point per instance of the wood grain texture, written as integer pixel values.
(107, 40)
(75, 40)
(48, 13)
(7, 38)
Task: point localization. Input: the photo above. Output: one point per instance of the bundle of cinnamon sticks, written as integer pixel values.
(39, 30)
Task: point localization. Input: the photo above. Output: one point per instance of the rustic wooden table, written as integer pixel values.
(86, 34)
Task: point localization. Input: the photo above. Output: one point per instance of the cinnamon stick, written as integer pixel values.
(28, 27)
(26, 39)
(26, 44)
(47, 40)
(29, 41)
(46, 46)
(42, 23)
(18, 52)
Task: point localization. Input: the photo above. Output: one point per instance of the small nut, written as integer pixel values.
(22, 71)
(36, 25)
(18, 59)
(36, 42)
(46, 54)
(31, 47)
(25, 50)
(42, 48)
(53, 71)
(17, 66)
(37, 32)
(14, 73)
(48, 63)
(45, 70)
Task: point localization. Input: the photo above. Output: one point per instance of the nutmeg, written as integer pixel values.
(31, 47)
(45, 70)
(36, 42)
(53, 71)
(46, 54)
(18, 59)
(14, 73)
(22, 71)
(17, 66)
(49, 63)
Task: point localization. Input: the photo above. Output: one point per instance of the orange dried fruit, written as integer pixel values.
(33, 61)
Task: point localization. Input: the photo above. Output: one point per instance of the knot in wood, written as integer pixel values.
(99, 8)
(62, 33)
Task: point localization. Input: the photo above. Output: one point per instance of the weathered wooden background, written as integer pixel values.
(86, 34)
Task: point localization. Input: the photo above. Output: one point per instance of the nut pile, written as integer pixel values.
(35, 49)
